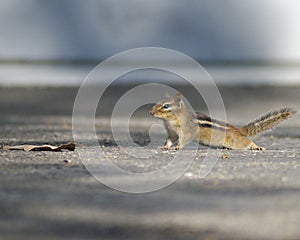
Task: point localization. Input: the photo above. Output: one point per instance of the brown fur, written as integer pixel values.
(267, 121)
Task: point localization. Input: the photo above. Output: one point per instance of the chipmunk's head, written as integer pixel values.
(168, 108)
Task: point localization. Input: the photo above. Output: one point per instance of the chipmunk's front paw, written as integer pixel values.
(173, 148)
(165, 148)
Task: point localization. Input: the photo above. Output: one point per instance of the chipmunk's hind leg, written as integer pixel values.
(235, 140)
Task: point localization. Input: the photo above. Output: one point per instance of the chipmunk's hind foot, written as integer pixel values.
(253, 146)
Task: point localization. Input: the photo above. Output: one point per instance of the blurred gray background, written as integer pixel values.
(58, 42)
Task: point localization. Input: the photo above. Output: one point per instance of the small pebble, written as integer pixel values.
(224, 156)
(283, 179)
(189, 174)
(66, 161)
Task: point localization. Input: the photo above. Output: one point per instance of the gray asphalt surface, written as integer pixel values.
(51, 195)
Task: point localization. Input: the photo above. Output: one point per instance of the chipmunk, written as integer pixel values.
(183, 126)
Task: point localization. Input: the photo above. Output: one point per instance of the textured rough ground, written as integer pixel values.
(247, 195)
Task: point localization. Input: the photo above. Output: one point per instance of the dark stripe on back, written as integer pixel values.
(205, 125)
(203, 117)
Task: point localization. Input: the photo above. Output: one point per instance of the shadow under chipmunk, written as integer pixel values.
(183, 126)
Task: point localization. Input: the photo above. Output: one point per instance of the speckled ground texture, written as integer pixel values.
(51, 195)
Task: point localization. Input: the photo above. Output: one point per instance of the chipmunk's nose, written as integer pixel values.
(152, 111)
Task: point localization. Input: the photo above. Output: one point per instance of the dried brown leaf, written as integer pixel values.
(68, 146)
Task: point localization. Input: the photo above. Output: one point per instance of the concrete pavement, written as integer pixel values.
(247, 195)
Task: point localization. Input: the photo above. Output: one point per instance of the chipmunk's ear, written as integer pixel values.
(177, 98)
(167, 95)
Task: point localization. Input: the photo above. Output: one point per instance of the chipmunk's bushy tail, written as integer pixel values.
(267, 121)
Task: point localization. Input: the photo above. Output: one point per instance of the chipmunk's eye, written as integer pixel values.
(166, 105)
